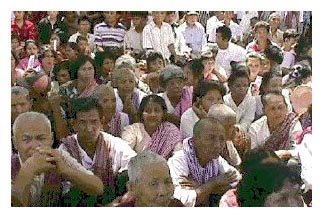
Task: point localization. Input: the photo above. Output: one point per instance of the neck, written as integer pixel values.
(287, 48)
(87, 145)
(237, 100)
(150, 130)
(159, 24)
(139, 29)
(224, 46)
(174, 99)
(273, 30)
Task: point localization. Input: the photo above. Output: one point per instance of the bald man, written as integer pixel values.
(237, 141)
(38, 170)
(198, 171)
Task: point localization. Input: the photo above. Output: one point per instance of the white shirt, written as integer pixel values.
(179, 167)
(246, 17)
(90, 37)
(133, 39)
(187, 122)
(244, 112)
(235, 29)
(119, 102)
(232, 53)
(211, 23)
(158, 39)
(305, 155)
(259, 132)
(169, 106)
(288, 58)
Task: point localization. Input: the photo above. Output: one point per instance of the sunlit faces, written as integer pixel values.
(288, 196)
(70, 53)
(191, 19)
(19, 104)
(154, 188)
(275, 22)
(63, 76)
(212, 97)
(48, 59)
(275, 109)
(108, 65)
(174, 87)
(153, 115)
(156, 65)
(88, 124)
(266, 66)
(83, 44)
(221, 42)
(30, 136)
(84, 26)
(52, 14)
(110, 17)
(255, 67)
(86, 72)
(107, 101)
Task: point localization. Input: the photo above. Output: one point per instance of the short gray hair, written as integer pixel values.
(119, 72)
(99, 90)
(136, 163)
(35, 116)
(20, 90)
(221, 112)
(199, 127)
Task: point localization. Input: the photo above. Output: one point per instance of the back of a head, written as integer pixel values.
(141, 160)
(222, 113)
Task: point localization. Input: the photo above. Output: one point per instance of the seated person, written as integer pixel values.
(153, 132)
(198, 171)
(207, 94)
(147, 172)
(275, 130)
(238, 98)
(266, 182)
(113, 122)
(177, 99)
(102, 153)
(37, 171)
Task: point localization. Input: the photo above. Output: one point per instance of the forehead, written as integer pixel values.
(274, 100)
(33, 126)
(152, 104)
(18, 98)
(213, 128)
(90, 114)
(153, 171)
(253, 60)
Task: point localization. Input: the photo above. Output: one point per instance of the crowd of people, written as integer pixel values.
(161, 108)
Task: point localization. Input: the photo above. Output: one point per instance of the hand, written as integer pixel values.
(199, 110)
(241, 140)
(226, 179)
(54, 100)
(54, 157)
(38, 163)
(188, 182)
(129, 106)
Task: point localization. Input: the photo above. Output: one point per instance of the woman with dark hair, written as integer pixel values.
(82, 85)
(105, 62)
(47, 59)
(153, 132)
(61, 72)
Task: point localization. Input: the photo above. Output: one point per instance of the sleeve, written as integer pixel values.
(185, 126)
(73, 163)
(123, 153)
(97, 36)
(212, 35)
(233, 154)
(224, 167)
(305, 156)
(171, 39)
(147, 43)
(127, 40)
(32, 32)
(179, 167)
(253, 134)
(129, 136)
(124, 120)
(248, 114)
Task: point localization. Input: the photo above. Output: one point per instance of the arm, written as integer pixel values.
(221, 77)
(173, 119)
(249, 113)
(123, 153)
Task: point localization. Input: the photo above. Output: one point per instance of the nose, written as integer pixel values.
(162, 190)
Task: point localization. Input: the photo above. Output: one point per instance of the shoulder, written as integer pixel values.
(259, 123)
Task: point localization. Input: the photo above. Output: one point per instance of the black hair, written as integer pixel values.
(262, 24)
(155, 99)
(151, 57)
(204, 86)
(264, 97)
(80, 38)
(84, 104)
(225, 32)
(84, 18)
(275, 54)
(239, 70)
(197, 68)
(142, 14)
(64, 65)
(266, 79)
(290, 33)
(80, 62)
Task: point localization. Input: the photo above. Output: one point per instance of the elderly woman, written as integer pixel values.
(128, 96)
(207, 94)
(153, 132)
(82, 85)
(112, 120)
(276, 130)
(177, 99)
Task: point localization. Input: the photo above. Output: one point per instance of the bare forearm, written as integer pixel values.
(90, 184)
(61, 126)
(20, 190)
(173, 119)
(172, 49)
(221, 78)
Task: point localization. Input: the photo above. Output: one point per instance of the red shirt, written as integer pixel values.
(27, 31)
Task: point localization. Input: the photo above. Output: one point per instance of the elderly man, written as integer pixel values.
(150, 183)
(198, 171)
(237, 141)
(20, 102)
(38, 170)
(97, 151)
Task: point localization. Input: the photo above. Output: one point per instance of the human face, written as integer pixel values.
(88, 125)
(31, 134)
(288, 196)
(63, 76)
(156, 65)
(19, 15)
(107, 101)
(275, 22)
(84, 26)
(274, 85)
(174, 87)
(19, 104)
(53, 14)
(211, 97)
(155, 188)
(83, 44)
(158, 16)
(71, 54)
(228, 15)
(255, 67)
(239, 88)
(48, 60)
(138, 21)
(209, 143)
(261, 34)
(266, 66)
(275, 109)
(108, 65)
(110, 17)
(86, 72)
(153, 115)
(31, 49)
(126, 83)
(209, 65)
(192, 19)
(14, 43)
(221, 42)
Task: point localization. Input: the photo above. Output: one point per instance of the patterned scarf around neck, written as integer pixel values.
(88, 90)
(103, 162)
(198, 173)
(279, 139)
(114, 127)
(164, 139)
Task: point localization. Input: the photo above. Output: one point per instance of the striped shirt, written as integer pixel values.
(106, 35)
(158, 39)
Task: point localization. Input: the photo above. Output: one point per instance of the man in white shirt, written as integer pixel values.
(158, 36)
(198, 171)
(227, 51)
(37, 169)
